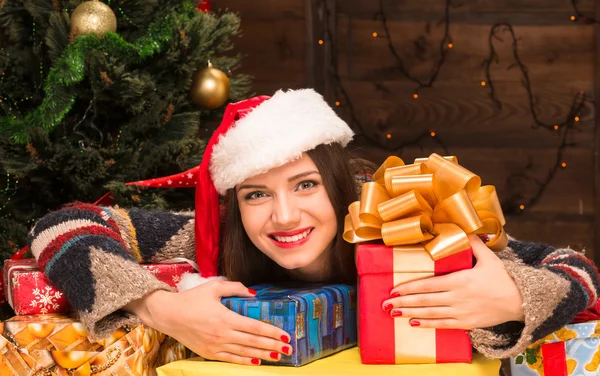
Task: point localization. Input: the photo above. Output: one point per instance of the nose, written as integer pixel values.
(286, 214)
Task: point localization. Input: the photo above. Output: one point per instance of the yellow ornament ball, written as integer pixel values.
(210, 88)
(93, 17)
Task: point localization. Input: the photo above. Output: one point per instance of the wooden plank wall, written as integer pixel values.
(279, 44)
(273, 43)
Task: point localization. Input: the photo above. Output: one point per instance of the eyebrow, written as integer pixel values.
(290, 179)
(301, 175)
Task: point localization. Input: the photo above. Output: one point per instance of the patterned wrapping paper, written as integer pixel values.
(391, 340)
(41, 345)
(321, 319)
(29, 292)
(572, 350)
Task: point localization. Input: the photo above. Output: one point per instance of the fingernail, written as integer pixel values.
(396, 313)
(285, 338)
(255, 361)
(387, 306)
(395, 294)
(414, 323)
(274, 355)
(286, 350)
(252, 291)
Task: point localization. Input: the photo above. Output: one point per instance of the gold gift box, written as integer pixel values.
(57, 345)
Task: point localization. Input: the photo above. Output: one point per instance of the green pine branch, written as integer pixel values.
(69, 70)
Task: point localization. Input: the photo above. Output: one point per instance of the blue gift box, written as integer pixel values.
(321, 319)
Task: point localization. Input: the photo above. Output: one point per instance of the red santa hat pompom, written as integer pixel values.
(255, 135)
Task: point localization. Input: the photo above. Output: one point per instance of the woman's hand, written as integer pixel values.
(476, 298)
(199, 320)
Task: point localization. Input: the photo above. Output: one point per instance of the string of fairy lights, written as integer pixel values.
(10, 187)
(516, 202)
(10, 107)
(564, 127)
(578, 15)
(397, 147)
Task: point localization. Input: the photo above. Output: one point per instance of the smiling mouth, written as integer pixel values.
(298, 238)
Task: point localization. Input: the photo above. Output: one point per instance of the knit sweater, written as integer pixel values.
(93, 254)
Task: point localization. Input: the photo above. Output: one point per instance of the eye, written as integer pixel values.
(307, 184)
(255, 195)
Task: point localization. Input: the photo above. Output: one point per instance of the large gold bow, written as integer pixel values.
(434, 202)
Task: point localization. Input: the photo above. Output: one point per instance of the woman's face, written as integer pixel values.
(287, 214)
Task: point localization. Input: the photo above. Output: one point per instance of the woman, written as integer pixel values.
(280, 163)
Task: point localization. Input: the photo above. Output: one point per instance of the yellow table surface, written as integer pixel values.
(345, 363)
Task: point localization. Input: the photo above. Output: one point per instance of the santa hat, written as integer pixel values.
(255, 135)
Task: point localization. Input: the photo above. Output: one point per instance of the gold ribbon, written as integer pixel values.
(433, 204)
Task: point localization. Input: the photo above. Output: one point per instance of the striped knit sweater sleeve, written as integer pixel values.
(92, 254)
(556, 285)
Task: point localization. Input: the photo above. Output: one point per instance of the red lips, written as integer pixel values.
(297, 243)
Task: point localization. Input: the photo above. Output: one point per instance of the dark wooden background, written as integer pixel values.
(281, 50)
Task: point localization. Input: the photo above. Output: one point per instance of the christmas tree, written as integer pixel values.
(95, 94)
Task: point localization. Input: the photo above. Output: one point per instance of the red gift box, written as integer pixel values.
(29, 292)
(383, 339)
(423, 213)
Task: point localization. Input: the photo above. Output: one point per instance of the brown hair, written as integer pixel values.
(241, 261)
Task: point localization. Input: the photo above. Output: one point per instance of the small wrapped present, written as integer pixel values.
(29, 292)
(571, 350)
(321, 319)
(423, 212)
(58, 345)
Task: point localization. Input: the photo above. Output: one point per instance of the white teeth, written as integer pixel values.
(289, 239)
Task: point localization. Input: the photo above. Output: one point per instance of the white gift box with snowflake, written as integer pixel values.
(572, 350)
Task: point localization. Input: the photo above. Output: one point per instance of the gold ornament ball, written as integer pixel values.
(93, 17)
(210, 88)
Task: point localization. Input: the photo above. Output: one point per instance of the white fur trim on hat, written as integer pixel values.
(274, 133)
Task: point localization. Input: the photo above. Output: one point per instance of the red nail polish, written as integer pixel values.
(414, 323)
(285, 338)
(252, 291)
(387, 306)
(286, 350)
(395, 294)
(255, 361)
(274, 355)
(396, 313)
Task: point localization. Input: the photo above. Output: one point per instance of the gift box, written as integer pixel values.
(423, 214)
(571, 350)
(58, 345)
(344, 363)
(321, 319)
(388, 340)
(29, 292)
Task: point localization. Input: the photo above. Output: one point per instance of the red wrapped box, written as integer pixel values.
(391, 340)
(423, 213)
(29, 292)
